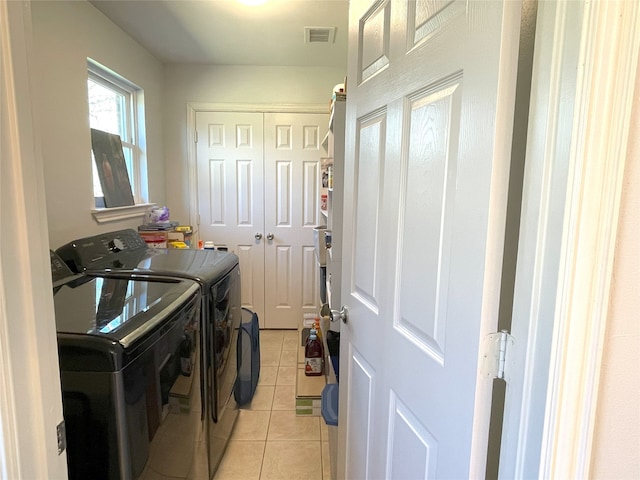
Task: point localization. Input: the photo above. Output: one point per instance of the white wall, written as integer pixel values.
(65, 34)
(616, 448)
(234, 85)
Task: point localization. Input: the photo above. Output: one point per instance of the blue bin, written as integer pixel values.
(329, 404)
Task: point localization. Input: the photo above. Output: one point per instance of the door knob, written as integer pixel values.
(258, 236)
(269, 236)
(340, 315)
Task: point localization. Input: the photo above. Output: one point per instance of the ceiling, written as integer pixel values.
(225, 32)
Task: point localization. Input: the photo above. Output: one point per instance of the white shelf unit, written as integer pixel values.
(334, 144)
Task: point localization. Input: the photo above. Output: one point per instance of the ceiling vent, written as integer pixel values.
(319, 34)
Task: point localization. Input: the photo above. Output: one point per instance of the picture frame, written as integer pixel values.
(112, 169)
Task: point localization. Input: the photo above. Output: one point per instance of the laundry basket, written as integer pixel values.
(248, 357)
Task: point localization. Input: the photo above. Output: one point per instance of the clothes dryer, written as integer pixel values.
(125, 253)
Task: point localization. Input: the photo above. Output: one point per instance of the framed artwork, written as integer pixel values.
(112, 169)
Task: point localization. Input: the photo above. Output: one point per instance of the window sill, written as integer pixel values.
(113, 214)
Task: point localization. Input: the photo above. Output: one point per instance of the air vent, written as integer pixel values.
(319, 34)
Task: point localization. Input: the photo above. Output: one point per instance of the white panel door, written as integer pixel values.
(230, 171)
(292, 181)
(427, 148)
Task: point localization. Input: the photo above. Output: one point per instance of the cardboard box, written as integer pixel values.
(155, 239)
(308, 407)
(308, 393)
(166, 238)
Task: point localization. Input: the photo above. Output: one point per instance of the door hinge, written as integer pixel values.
(497, 355)
(198, 219)
(195, 137)
(62, 437)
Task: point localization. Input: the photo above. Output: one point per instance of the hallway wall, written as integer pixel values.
(229, 85)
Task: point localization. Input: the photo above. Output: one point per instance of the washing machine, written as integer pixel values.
(125, 253)
(123, 346)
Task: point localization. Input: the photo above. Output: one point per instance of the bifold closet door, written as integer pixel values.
(258, 180)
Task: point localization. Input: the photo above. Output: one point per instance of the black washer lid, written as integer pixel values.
(115, 309)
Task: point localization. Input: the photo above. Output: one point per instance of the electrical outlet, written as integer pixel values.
(62, 437)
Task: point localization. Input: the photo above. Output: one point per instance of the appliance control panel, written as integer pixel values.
(97, 250)
(59, 269)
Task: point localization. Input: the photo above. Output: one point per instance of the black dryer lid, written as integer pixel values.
(205, 266)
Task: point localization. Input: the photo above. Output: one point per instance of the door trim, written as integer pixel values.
(194, 107)
(577, 155)
(605, 92)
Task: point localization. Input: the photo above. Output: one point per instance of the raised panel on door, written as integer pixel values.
(427, 194)
(412, 450)
(360, 429)
(292, 169)
(230, 193)
(426, 180)
(363, 255)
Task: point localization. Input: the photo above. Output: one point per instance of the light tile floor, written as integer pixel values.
(269, 441)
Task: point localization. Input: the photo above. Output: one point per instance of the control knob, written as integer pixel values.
(116, 245)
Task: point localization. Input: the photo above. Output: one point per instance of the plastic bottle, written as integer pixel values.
(313, 355)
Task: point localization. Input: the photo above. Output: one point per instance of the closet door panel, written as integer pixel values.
(230, 173)
(291, 210)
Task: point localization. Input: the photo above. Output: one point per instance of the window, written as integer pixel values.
(113, 106)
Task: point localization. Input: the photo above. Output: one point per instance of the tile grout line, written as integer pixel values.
(266, 440)
(264, 450)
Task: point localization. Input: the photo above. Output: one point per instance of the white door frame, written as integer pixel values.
(590, 158)
(30, 394)
(195, 107)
